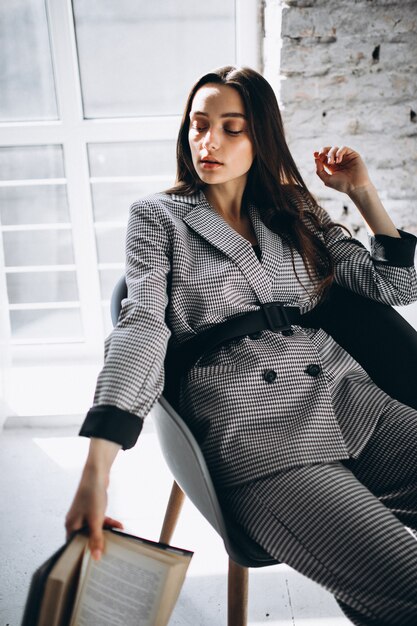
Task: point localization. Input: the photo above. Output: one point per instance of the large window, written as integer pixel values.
(91, 96)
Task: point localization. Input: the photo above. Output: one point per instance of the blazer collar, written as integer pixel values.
(210, 225)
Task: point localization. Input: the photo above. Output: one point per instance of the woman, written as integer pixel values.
(309, 456)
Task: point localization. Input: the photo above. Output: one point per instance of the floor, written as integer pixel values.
(39, 472)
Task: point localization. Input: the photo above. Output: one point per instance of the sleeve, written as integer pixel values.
(387, 273)
(132, 378)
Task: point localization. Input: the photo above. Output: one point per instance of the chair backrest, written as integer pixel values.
(377, 336)
(188, 466)
(119, 293)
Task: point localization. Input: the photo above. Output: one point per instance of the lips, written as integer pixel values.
(207, 165)
(210, 160)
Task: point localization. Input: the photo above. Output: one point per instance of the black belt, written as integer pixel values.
(271, 316)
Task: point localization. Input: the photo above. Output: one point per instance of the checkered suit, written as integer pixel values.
(255, 404)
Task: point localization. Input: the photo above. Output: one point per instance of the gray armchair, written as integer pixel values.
(375, 334)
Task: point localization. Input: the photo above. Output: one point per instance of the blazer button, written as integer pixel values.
(256, 335)
(288, 333)
(269, 376)
(313, 369)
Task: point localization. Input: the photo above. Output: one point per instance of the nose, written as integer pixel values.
(210, 140)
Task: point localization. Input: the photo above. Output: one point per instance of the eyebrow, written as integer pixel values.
(230, 114)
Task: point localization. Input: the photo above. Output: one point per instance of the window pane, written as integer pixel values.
(47, 324)
(38, 247)
(111, 201)
(37, 204)
(156, 159)
(38, 287)
(27, 81)
(31, 162)
(111, 245)
(138, 57)
(136, 158)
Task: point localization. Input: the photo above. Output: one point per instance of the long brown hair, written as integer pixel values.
(273, 176)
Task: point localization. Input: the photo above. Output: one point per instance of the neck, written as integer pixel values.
(226, 200)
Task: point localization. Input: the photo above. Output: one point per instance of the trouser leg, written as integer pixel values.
(324, 523)
(388, 464)
(388, 467)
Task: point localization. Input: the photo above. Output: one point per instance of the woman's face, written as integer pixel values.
(219, 132)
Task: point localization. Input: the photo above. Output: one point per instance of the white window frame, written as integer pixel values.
(74, 133)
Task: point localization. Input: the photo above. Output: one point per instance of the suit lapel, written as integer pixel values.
(205, 221)
(269, 242)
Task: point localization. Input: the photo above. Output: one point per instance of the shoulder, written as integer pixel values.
(156, 203)
(164, 205)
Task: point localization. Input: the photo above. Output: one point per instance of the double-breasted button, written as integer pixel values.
(269, 376)
(256, 335)
(313, 369)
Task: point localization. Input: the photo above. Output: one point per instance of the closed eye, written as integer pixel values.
(230, 132)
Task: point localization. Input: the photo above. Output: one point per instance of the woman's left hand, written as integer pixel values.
(341, 168)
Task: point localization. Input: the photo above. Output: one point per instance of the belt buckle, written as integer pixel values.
(276, 316)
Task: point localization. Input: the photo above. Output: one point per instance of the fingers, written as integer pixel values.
(96, 539)
(322, 162)
(332, 155)
(321, 172)
(340, 153)
(329, 161)
(96, 536)
(114, 523)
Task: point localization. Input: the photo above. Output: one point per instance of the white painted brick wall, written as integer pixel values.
(346, 73)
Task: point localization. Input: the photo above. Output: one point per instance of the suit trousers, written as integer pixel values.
(343, 524)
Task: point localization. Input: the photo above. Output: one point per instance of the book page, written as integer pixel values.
(164, 554)
(122, 589)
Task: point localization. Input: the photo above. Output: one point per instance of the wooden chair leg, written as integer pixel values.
(237, 595)
(176, 500)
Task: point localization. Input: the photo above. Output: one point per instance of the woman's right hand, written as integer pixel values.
(88, 508)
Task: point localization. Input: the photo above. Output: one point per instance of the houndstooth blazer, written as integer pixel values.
(259, 403)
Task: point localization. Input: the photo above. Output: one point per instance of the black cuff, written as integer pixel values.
(106, 421)
(395, 251)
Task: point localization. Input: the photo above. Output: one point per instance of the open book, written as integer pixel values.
(135, 583)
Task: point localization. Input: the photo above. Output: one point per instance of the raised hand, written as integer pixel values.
(341, 168)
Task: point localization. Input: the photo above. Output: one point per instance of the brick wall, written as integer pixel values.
(347, 74)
